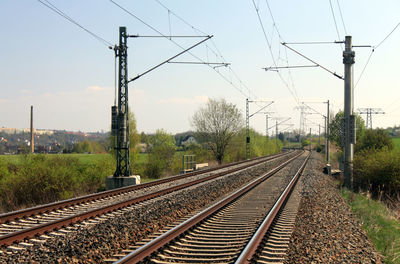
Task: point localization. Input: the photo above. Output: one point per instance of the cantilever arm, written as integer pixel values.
(166, 61)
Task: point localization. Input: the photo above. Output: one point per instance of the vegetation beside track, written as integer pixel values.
(396, 142)
(28, 180)
(36, 179)
(380, 224)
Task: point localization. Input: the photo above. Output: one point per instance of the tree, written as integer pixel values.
(375, 139)
(216, 124)
(161, 153)
(144, 138)
(335, 127)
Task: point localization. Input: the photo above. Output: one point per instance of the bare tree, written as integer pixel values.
(215, 125)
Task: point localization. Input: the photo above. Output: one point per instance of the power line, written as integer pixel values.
(178, 45)
(341, 16)
(64, 15)
(270, 50)
(365, 66)
(380, 43)
(217, 52)
(373, 49)
(280, 37)
(334, 20)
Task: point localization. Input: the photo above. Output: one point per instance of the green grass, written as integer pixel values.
(10, 158)
(381, 226)
(83, 158)
(396, 142)
(87, 158)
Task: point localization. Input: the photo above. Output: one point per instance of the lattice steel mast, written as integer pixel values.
(120, 113)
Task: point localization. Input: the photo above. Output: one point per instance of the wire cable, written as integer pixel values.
(373, 50)
(281, 39)
(380, 43)
(341, 16)
(334, 20)
(365, 66)
(216, 52)
(271, 53)
(64, 15)
(180, 46)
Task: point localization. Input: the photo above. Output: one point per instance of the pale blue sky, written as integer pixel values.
(68, 75)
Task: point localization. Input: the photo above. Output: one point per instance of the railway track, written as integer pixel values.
(26, 224)
(234, 229)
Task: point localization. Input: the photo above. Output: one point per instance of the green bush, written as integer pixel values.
(161, 154)
(305, 142)
(38, 179)
(319, 148)
(377, 170)
(374, 139)
(259, 146)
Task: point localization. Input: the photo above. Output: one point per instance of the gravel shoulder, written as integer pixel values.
(326, 231)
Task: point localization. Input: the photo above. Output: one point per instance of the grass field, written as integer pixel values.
(396, 142)
(83, 158)
(381, 226)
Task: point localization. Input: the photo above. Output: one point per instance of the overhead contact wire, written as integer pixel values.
(217, 52)
(64, 15)
(272, 55)
(177, 44)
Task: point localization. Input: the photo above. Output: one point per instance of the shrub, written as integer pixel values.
(161, 154)
(375, 139)
(377, 170)
(38, 179)
(319, 148)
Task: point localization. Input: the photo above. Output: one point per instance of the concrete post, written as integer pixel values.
(348, 61)
(319, 134)
(276, 135)
(32, 135)
(327, 135)
(247, 130)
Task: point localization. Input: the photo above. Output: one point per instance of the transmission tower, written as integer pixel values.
(303, 114)
(369, 112)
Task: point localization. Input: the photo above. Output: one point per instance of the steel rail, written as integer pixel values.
(31, 232)
(154, 245)
(250, 250)
(14, 215)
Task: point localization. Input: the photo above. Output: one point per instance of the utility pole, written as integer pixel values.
(319, 134)
(266, 124)
(120, 112)
(32, 135)
(247, 130)
(120, 118)
(349, 120)
(327, 134)
(310, 139)
(276, 134)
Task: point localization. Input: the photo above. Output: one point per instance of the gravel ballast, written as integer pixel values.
(102, 240)
(326, 231)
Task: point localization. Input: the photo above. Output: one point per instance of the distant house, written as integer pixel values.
(142, 147)
(188, 141)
